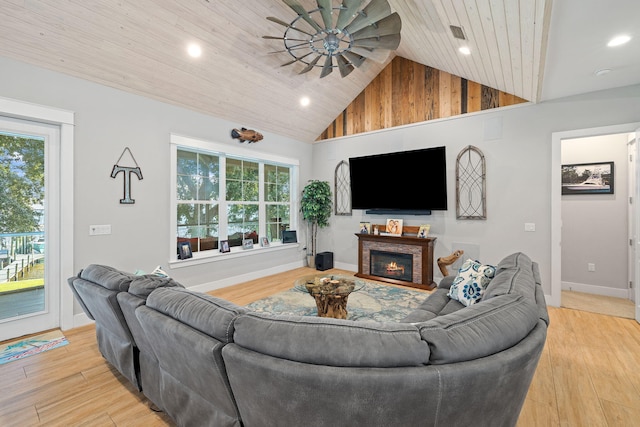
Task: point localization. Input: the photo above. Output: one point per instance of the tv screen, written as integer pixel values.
(404, 181)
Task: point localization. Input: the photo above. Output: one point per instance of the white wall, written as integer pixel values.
(516, 142)
(595, 227)
(107, 121)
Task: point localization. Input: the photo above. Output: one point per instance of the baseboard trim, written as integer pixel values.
(345, 266)
(596, 290)
(81, 319)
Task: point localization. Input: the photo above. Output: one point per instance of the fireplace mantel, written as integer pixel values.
(420, 248)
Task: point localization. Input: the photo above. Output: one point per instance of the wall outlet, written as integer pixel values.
(529, 226)
(591, 266)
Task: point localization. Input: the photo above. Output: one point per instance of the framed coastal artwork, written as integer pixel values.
(588, 178)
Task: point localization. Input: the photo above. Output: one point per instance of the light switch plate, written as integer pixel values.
(96, 230)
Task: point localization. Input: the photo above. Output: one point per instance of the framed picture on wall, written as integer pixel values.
(588, 178)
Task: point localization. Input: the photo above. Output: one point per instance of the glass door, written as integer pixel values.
(29, 300)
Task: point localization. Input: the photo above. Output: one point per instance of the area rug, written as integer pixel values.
(374, 302)
(26, 347)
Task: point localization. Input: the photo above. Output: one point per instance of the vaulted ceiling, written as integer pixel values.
(530, 48)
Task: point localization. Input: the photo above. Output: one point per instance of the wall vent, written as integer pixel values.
(457, 32)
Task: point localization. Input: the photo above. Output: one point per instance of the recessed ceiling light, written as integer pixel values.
(305, 101)
(602, 72)
(194, 50)
(617, 41)
(465, 50)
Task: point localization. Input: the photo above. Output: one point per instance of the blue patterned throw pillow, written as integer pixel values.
(472, 279)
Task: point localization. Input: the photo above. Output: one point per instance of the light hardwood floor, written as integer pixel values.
(587, 376)
(600, 304)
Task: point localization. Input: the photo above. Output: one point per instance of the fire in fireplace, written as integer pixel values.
(391, 265)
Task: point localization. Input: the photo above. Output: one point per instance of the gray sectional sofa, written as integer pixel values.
(218, 364)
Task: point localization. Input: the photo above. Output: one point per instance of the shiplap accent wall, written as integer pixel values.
(406, 92)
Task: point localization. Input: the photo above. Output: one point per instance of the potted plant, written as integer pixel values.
(316, 209)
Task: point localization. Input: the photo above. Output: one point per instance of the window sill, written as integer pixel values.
(236, 252)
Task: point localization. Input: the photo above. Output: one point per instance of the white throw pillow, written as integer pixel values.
(471, 281)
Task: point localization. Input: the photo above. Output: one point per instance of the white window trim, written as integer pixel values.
(226, 150)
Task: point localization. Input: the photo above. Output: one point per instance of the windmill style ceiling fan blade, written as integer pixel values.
(352, 31)
(325, 10)
(344, 66)
(297, 59)
(385, 27)
(355, 59)
(284, 24)
(310, 65)
(374, 55)
(297, 8)
(327, 68)
(375, 11)
(349, 8)
(390, 42)
(282, 38)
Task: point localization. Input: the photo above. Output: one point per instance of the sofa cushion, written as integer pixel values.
(107, 277)
(437, 304)
(515, 274)
(479, 330)
(471, 281)
(332, 342)
(142, 286)
(209, 315)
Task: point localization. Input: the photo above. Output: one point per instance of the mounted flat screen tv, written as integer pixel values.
(412, 182)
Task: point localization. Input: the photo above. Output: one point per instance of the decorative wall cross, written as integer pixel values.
(127, 200)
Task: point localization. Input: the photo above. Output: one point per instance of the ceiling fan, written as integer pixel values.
(346, 33)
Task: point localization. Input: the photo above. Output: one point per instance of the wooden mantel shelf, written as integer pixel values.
(420, 248)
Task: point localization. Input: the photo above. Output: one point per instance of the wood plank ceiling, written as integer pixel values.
(140, 46)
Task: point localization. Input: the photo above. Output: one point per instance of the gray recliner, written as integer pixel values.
(149, 370)
(96, 289)
(110, 297)
(188, 331)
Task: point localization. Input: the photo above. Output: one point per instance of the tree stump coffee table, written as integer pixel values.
(331, 293)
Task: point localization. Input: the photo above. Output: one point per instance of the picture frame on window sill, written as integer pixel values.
(184, 250)
(247, 244)
(224, 246)
(264, 242)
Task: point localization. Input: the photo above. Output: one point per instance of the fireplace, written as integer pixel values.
(402, 260)
(391, 265)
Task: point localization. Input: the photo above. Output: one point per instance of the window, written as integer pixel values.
(197, 190)
(277, 189)
(229, 193)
